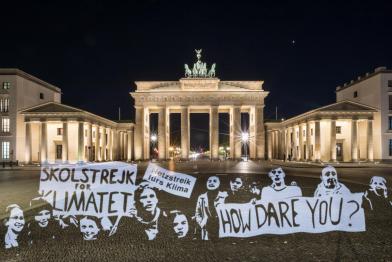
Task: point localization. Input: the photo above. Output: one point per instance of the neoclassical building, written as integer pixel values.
(341, 132)
(358, 127)
(35, 127)
(59, 133)
(199, 95)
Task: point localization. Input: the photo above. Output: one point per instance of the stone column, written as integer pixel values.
(146, 134)
(252, 133)
(269, 145)
(369, 143)
(317, 142)
(308, 143)
(130, 144)
(65, 141)
(44, 142)
(333, 140)
(301, 143)
(28, 144)
(354, 140)
(214, 132)
(237, 132)
(139, 113)
(259, 132)
(81, 142)
(97, 143)
(103, 152)
(120, 145)
(184, 132)
(287, 134)
(109, 143)
(90, 141)
(162, 133)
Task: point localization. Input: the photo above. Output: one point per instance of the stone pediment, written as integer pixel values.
(346, 106)
(51, 107)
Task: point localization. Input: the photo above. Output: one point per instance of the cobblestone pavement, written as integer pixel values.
(19, 186)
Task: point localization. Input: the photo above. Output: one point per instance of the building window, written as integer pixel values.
(41, 95)
(311, 150)
(338, 129)
(389, 83)
(390, 122)
(4, 105)
(303, 133)
(390, 147)
(6, 85)
(59, 131)
(311, 131)
(5, 149)
(93, 134)
(85, 132)
(106, 137)
(390, 103)
(5, 124)
(355, 94)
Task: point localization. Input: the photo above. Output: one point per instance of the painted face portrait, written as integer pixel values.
(379, 186)
(213, 183)
(180, 225)
(148, 200)
(88, 228)
(16, 220)
(42, 218)
(329, 177)
(236, 184)
(277, 176)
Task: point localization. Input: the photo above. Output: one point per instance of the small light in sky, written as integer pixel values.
(293, 42)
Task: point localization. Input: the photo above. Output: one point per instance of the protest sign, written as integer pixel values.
(291, 215)
(100, 189)
(172, 182)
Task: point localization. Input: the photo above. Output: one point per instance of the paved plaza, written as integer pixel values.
(21, 184)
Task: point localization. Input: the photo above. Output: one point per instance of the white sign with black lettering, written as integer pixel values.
(292, 215)
(99, 189)
(172, 182)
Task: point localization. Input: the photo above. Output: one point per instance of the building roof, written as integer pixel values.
(378, 70)
(54, 109)
(18, 72)
(343, 108)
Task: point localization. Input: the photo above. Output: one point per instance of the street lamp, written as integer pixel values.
(154, 140)
(245, 140)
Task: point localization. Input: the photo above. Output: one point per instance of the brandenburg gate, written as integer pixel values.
(199, 92)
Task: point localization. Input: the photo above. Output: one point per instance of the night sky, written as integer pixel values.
(94, 52)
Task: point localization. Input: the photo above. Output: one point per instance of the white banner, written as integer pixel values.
(174, 183)
(99, 189)
(301, 214)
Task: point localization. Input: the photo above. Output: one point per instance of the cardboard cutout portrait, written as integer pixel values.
(15, 223)
(376, 196)
(330, 184)
(43, 226)
(180, 224)
(205, 213)
(278, 189)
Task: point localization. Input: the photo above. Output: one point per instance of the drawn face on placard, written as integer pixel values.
(89, 228)
(180, 225)
(329, 177)
(379, 186)
(277, 176)
(213, 183)
(236, 184)
(42, 218)
(16, 220)
(148, 200)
